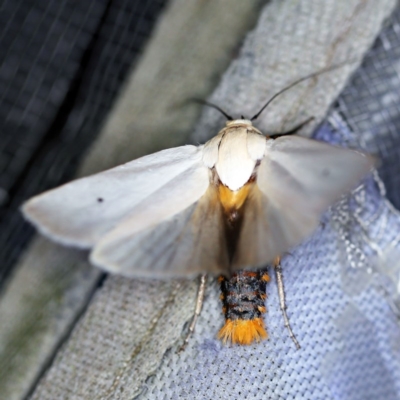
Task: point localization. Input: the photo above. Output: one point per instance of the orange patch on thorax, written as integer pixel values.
(233, 200)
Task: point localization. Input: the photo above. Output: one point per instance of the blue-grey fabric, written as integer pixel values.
(349, 334)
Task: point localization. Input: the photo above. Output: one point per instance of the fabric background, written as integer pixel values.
(339, 287)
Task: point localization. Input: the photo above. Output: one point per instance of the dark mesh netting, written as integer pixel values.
(62, 64)
(371, 105)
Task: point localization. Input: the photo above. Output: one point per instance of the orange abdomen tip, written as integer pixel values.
(243, 331)
(243, 299)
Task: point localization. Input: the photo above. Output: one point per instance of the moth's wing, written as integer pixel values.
(297, 180)
(81, 212)
(187, 243)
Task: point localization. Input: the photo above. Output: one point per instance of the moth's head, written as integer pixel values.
(237, 122)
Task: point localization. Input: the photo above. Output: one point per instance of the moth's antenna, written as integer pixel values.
(206, 103)
(304, 78)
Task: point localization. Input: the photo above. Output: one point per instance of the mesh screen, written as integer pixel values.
(371, 105)
(64, 62)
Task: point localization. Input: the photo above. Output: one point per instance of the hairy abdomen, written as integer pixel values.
(243, 297)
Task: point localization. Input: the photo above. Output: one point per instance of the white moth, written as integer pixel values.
(240, 200)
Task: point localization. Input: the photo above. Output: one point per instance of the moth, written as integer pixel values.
(228, 207)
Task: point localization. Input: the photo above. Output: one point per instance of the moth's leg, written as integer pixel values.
(197, 310)
(282, 299)
(292, 131)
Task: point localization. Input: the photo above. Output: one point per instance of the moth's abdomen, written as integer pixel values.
(243, 297)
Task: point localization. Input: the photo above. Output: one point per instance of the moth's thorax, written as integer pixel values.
(234, 153)
(232, 201)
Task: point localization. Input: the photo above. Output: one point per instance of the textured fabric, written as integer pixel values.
(293, 39)
(371, 105)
